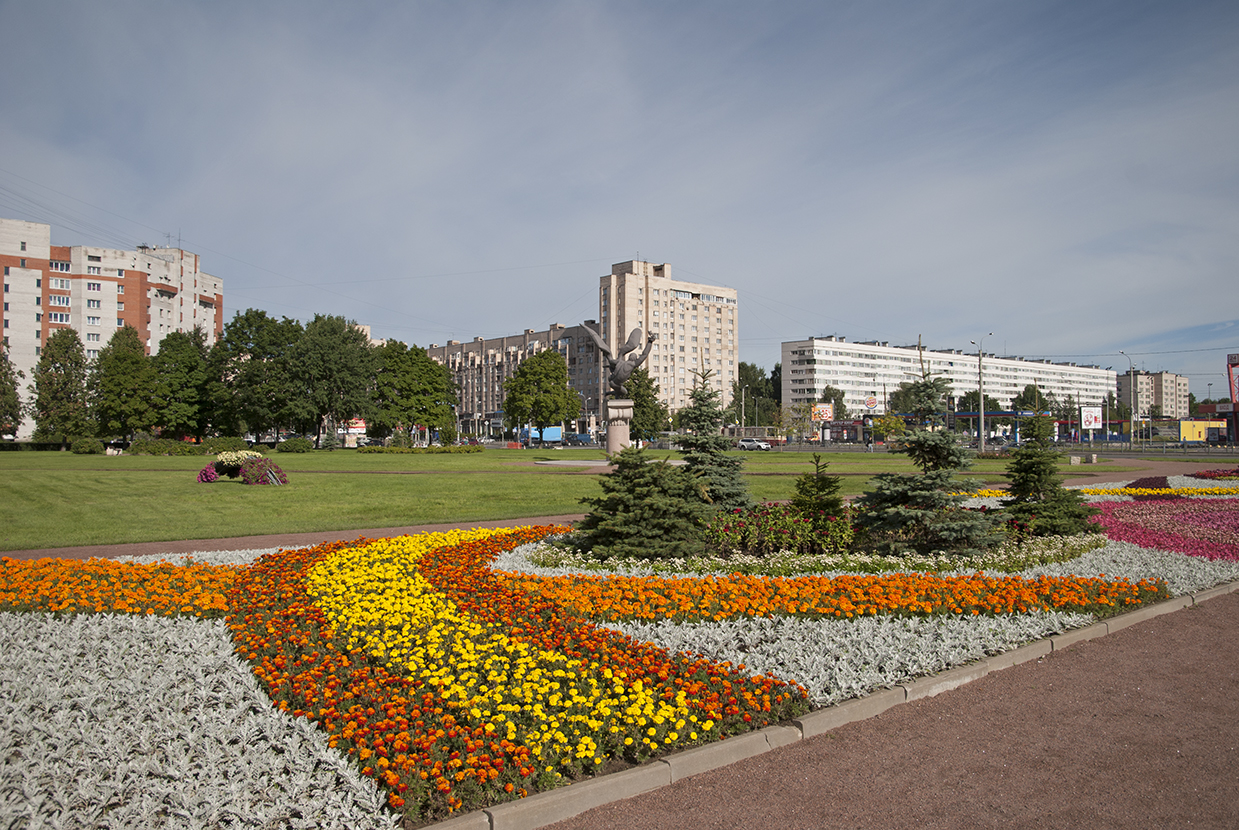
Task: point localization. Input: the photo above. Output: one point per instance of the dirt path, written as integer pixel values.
(1139, 729)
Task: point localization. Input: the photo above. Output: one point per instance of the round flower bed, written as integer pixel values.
(208, 474)
(262, 470)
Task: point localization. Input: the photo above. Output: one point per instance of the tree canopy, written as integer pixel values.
(180, 403)
(59, 408)
(538, 392)
(705, 449)
(836, 396)
(649, 415)
(251, 386)
(10, 398)
(1031, 399)
(122, 386)
(410, 390)
(332, 365)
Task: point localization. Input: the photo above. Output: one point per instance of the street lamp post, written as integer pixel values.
(743, 421)
(1131, 395)
(981, 394)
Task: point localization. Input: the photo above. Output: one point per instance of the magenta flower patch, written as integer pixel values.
(1208, 528)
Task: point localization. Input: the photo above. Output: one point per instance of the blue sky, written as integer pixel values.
(1062, 174)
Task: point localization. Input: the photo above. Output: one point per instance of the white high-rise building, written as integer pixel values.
(698, 326)
(868, 372)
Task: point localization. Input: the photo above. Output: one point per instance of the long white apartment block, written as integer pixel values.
(698, 326)
(874, 369)
(97, 291)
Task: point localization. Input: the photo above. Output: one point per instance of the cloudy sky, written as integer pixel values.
(1063, 174)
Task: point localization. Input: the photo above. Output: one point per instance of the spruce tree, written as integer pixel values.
(705, 449)
(924, 513)
(647, 511)
(817, 494)
(1037, 495)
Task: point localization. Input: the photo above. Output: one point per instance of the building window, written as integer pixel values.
(90, 321)
(120, 272)
(119, 323)
(23, 263)
(120, 306)
(92, 353)
(59, 283)
(23, 246)
(120, 289)
(94, 304)
(55, 265)
(90, 258)
(58, 317)
(94, 286)
(38, 317)
(93, 269)
(58, 299)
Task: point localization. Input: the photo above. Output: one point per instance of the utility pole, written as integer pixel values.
(1131, 394)
(981, 392)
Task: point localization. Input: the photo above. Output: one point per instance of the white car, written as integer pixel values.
(752, 444)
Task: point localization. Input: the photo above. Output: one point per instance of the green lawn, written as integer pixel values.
(57, 499)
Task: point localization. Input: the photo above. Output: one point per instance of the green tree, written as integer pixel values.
(648, 510)
(1037, 495)
(649, 415)
(251, 385)
(410, 390)
(10, 399)
(889, 427)
(836, 396)
(752, 396)
(60, 409)
(180, 368)
(538, 393)
(776, 384)
(122, 386)
(335, 366)
(705, 449)
(924, 512)
(1031, 399)
(817, 494)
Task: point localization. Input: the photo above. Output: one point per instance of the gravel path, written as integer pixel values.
(1139, 729)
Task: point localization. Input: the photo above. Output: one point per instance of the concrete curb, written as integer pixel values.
(556, 805)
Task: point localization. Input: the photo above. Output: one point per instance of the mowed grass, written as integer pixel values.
(57, 499)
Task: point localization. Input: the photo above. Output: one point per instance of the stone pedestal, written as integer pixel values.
(619, 416)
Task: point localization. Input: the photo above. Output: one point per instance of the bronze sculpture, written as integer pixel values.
(621, 366)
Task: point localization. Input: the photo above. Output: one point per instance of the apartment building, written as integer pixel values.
(698, 326)
(867, 372)
(96, 291)
(481, 368)
(1164, 390)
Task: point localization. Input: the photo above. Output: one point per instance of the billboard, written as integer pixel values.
(823, 411)
(1090, 417)
(1232, 362)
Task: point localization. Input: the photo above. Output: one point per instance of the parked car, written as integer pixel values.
(578, 440)
(752, 444)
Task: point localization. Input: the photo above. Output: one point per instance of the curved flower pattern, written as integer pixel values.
(1206, 528)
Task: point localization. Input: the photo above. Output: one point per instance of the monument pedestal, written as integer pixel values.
(619, 417)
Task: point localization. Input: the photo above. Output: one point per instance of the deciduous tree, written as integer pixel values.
(410, 390)
(538, 393)
(251, 385)
(60, 408)
(181, 383)
(649, 415)
(10, 398)
(334, 366)
(122, 386)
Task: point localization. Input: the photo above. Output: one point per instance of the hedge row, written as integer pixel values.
(420, 450)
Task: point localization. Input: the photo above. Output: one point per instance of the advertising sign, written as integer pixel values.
(1232, 363)
(871, 402)
(1090, 417)
(823, 411)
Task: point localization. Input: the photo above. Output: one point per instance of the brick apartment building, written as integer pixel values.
(95, 291)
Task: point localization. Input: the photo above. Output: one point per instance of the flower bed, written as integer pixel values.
(1198, 528)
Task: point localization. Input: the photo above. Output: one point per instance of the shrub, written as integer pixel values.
(817, 494)
(647, 511)
(229, 463)
(374, 448)
(87, 446)
(207, 474)
(164, 446)
(1038, 497)
(775, 528)
(262, 470)
(214, 446)
(328, 441)
(295, 445)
